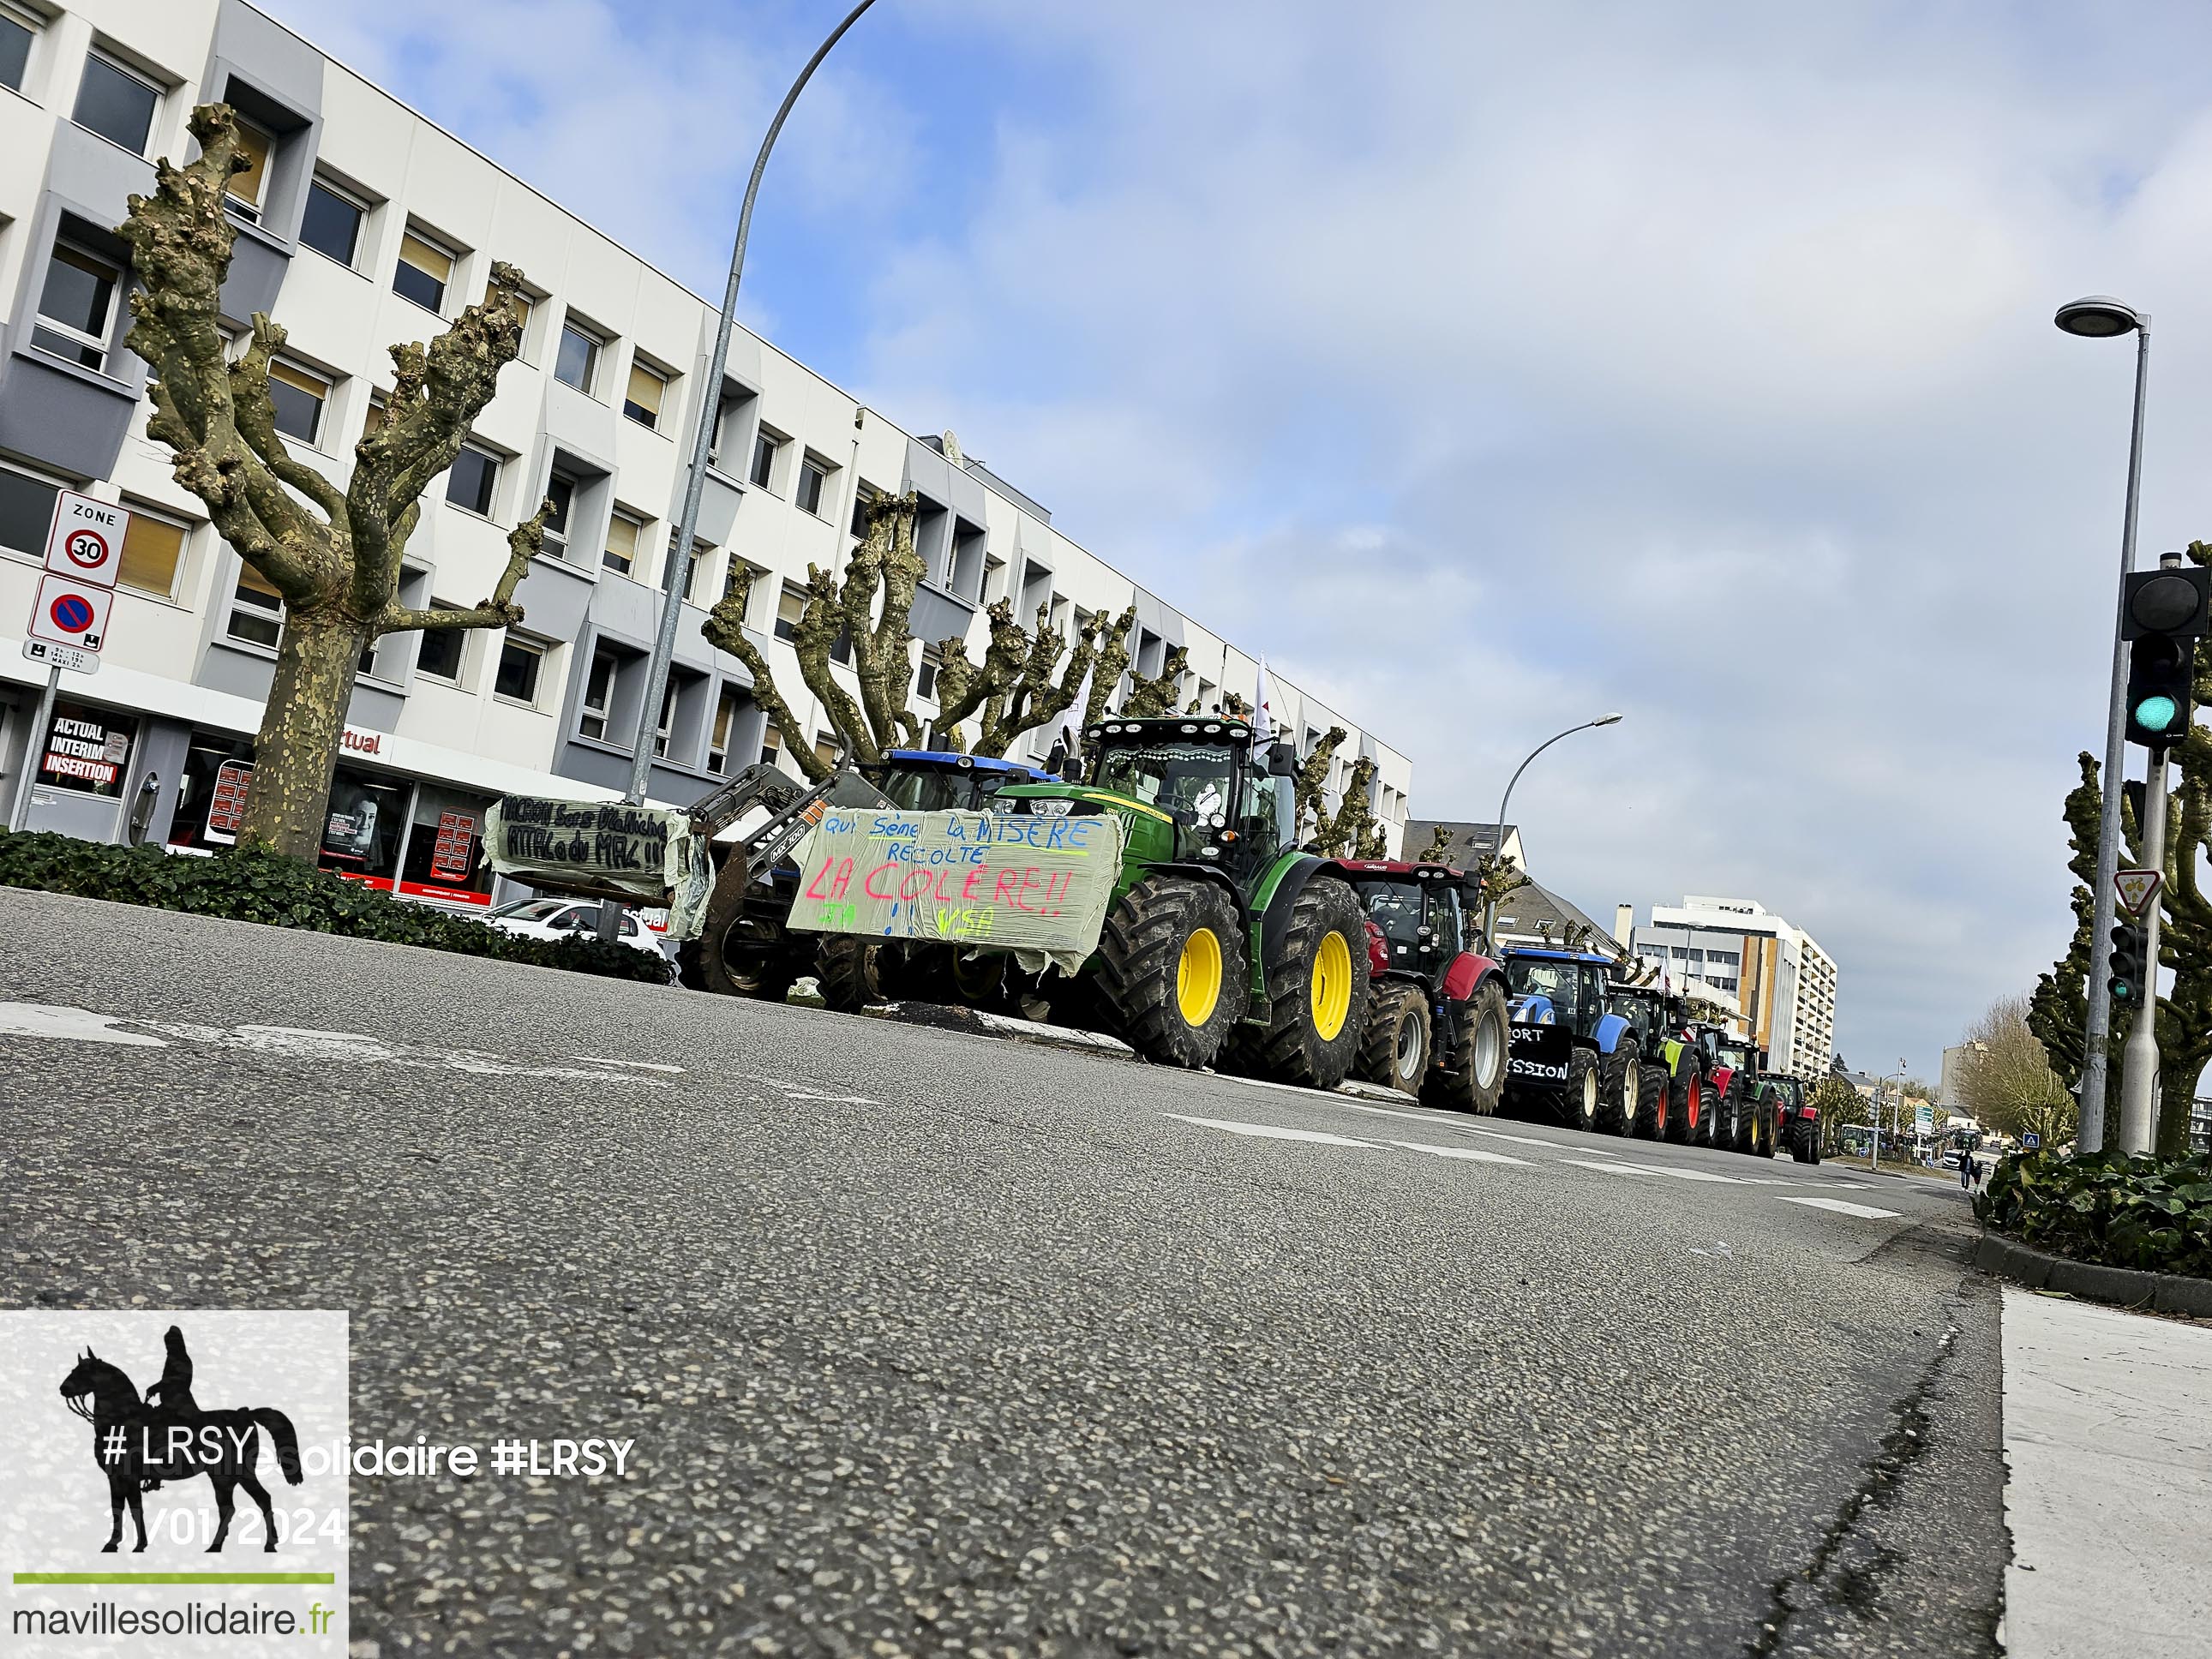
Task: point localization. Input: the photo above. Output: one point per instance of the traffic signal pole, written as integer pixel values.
(2139, 1059)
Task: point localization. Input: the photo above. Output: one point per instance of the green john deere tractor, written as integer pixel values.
(1221, 928)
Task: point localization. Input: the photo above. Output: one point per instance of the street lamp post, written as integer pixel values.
(703, 441)
(1490, 907)
(2101, 318)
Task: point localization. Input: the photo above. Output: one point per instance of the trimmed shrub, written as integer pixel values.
(248, 884)
(2151, 1213)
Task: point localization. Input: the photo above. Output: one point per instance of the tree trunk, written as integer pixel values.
(295, 751)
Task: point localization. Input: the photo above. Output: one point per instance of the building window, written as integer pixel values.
(422, 272)
(925, 677)
(561, 491)
(764, 448)
(331, 223)
(245, 188)
(699, 551)
(788, 610)
(519, 661)
(621, 553)
(298, 397)
(825, 748)
(77, 305)
(667, 720)
(812, 475)
(522, 305)
(439, 656)
(577, 362)
(643, 403)
(15, 32)
(152, 549)
(27, 512)
(257, 610)
(771, 746)
(862, 497)
(725, 726)
(473, 479)
(116, 103)
(599, 694)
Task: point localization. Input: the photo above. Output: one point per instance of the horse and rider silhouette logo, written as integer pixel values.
(141, 1445)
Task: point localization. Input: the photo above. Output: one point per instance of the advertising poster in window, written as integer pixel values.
(227, 802)
(88, 751)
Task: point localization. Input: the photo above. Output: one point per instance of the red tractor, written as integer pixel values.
(1436, 1025)
(1796, 1123)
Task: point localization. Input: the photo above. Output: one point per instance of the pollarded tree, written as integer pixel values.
(1438, 849)
(884, 565)
(1312, 778)
(1352, 828)
(332, 555)
(1151, 697)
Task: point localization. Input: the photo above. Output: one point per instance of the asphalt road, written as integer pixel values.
(936, 1343)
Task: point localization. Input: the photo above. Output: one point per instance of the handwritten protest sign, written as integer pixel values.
(603, 846)
(979, 880)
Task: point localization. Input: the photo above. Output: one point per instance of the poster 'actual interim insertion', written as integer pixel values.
(984, 880)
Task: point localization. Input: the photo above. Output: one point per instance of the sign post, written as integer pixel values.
(68, 613)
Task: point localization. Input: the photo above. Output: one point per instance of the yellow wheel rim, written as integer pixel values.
(1198, 977)
(1332, 986)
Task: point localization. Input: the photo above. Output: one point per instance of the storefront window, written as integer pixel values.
(443, 847)
(211, 794)
(88, 751)
(360, 837)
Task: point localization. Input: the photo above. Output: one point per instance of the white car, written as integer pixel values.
(557, 919)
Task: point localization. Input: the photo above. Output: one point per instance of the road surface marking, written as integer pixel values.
(641, 1065)
(1473, 1154)
(1656, 1170)
(1525, 1140)
(60, 1024)
(1269, 1131)
(1864, 1211)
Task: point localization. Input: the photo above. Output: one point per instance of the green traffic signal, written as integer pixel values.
(2157, 714)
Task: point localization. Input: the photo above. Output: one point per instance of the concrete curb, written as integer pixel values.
(2171, 1293)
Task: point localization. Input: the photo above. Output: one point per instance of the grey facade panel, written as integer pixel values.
(554, 600)
(626, 610)
(939, 479)
(68, 419)
(1159, 617)
(718, 507)
(255, 277)
(242, 673)
(94, 178)
(938, 616)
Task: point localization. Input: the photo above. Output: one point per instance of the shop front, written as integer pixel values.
(409, 837)
(80, 770)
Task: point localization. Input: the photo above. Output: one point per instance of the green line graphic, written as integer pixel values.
(175, 1579)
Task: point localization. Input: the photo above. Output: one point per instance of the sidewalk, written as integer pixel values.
(2108, 1438)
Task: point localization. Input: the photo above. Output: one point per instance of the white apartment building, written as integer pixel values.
(1782, 982)
(364, 224)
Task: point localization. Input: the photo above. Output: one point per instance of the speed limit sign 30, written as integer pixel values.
(86, 541)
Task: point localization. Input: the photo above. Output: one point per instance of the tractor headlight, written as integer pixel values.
(1209, 851)
(1057, 807)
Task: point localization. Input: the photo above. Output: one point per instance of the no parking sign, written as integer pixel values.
(70, 613)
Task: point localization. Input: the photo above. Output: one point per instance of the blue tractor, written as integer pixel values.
(1568, 1057)
(747, 950)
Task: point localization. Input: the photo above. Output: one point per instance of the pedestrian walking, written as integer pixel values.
(1966, 1171)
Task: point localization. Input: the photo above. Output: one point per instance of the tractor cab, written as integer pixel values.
(938, 780)
(1422, 911)
(1190, 791)
(1645, 1008)
(1558, 987)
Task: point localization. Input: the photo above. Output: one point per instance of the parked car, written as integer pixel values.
(557, 918)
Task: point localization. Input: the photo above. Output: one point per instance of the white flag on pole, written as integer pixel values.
(1263, 723)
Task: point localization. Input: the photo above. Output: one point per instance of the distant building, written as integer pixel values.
(2200, 1125)
(1779, 979)
(1536, 915)
(1470, 843)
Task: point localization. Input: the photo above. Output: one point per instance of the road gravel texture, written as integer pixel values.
(933, 1344)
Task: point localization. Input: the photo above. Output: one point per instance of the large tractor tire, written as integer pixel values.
(1476, 1080)
(1741, 1119)
(1652, 1103)
(1394, 1050)
(718, 970)
(1172, 970)
(1686, 1100)
(1317, 989)
(1620, 1090)
(1805, 1140)
(851, 972)
(1706, 1131)
(1579, 1101)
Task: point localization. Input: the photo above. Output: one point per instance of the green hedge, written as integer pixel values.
(246, 885)
(2147, 1212)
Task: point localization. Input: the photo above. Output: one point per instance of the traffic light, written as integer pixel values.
(2129, 968)
(2163, 612)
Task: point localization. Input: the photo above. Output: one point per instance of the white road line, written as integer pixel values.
(57, 1023)
(641, 1065)
(1472, 1154)
(1864, 1211)
(1270, 1132)
(1655, 1169)
(1525, 1140)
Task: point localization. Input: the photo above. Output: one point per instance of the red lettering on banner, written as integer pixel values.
(1055, 890)
(869, 885)
(1008, 879)
(968, 887)
(814, 888)
(843, 880)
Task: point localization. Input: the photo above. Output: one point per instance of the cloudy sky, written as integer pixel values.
(1489, 368)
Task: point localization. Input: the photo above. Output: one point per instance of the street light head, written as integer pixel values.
(1606, 719)
(2098, 317)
